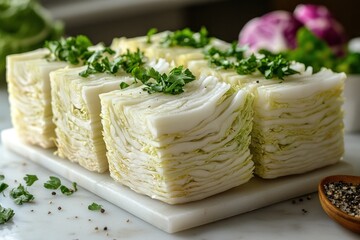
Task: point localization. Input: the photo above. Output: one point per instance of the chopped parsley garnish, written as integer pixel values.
(21, 195)
(30, 179)
(2, 177)
(3, 186)
(54, 183)
(172, 83)
(5, 214)
(66, 191)
(270, 65)
(225, 58)
(187, 38)
(149, 34)
(96, 207)
(100, 63)
(73, 50)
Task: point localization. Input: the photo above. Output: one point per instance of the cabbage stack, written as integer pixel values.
(29, 96)
(179, 148)
(76, 110)
(298, 124)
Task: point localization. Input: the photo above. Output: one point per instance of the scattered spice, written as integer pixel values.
(59, 208)
(96, 228)
(105, 228)
(304, 211)
(345, 196)
(49, 212)
(308, 197)
(128, 220)
(53, 193)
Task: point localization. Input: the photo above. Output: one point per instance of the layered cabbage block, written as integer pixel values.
(298, 122)
(29, 95)
(179, 148)
(76, 114)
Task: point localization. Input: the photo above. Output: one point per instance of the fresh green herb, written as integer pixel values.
(275, 67)
(21, 195)
(30, 179)
(149, 34)
(2, 177)
(270, 65)
(95, 207)
(248, 65)
(66, 191)
(73, 50)
(3, 186)
(224, 58)
(53, 183)
(172, 83)
(5, 214)
(124, 85)
(187, 38)
(100, 63)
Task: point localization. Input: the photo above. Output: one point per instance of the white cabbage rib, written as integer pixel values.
(29, 95)
(179, 148)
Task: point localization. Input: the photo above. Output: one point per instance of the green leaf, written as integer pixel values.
(124, 85)
(2, 177)
(3, 186)
(73, 50)
(187, 38)
(149, 34)
(21, 195)
(66, 191)
(30, 179)
(95, 207)
(5, 214)
(54, 183)
(100, 63)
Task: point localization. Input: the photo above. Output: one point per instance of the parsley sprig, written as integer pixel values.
(96, 207)
(187, 38)
(21, 195)
(172, 83)
(270, 65)
(5, 214)
(73, 50)
(30, 179)
(54, 183)
(99, 62)
(224, 58)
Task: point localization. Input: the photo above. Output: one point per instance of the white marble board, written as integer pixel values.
(173, 218)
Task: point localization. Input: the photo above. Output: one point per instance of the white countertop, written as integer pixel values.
(299, 218)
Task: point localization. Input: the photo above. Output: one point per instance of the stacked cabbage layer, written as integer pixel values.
(179, 148)
(298, 124)
(29, 95)
(76, 109)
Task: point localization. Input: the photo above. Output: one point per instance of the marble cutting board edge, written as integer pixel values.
(174, 218)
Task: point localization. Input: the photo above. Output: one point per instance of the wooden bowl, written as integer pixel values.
(344, 219)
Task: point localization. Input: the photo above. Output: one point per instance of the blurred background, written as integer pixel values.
(106, 19)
